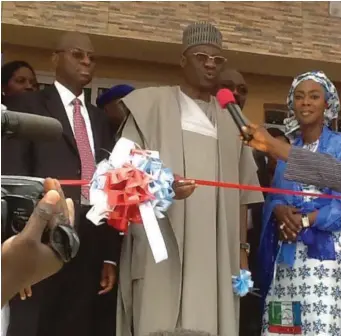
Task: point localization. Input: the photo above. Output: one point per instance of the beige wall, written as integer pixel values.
(297, 29)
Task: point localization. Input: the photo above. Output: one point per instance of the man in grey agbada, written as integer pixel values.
(198, 140)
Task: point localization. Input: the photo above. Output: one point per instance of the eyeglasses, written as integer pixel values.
(79, 54)
(203, 58)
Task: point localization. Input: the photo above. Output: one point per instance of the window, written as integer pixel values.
(101, 91)
(42, 86)
(87, 94)
(100, 85)
(335, 8)
(95, 88)
(274, 115)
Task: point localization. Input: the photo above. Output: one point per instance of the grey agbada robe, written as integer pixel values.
(193, 287)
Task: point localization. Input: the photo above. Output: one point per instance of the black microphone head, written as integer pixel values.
(30, 126)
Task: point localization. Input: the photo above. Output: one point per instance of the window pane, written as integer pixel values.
(42, 86)
(87, 95)
(101, 91)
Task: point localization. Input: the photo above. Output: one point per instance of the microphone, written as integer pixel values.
(30, 126)
(226, 100)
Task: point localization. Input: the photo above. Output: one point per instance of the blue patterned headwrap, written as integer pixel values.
(332, 99)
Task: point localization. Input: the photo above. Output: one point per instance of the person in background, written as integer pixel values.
(301, 279)
(192, 288)
(272, 160)
(68, 302)
(108, 102)
(17, 77)
(233, 80)
(250, 306)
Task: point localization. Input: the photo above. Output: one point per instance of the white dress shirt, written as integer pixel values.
(67, 98)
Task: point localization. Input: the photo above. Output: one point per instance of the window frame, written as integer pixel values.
(97, 83)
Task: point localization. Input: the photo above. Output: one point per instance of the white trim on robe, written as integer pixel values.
(4, 319)
(193, 119)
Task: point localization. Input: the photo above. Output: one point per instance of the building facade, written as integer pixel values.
(140, 42)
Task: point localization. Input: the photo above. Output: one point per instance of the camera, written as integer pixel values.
(19, 197)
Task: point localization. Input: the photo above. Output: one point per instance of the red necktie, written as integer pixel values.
(83, 145)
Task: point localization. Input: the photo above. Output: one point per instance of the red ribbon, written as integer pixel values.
(231, 186)
(263, 189)
(127, 188)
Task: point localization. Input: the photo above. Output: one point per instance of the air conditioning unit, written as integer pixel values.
(275, 117)
(280, 127)
(274, 114)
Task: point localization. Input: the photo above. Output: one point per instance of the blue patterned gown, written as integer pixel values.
(309, 271)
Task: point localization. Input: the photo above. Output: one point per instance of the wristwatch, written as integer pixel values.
(305, 221)
(246, 247)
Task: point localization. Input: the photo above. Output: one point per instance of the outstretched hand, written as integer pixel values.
(264, 142)
(25, 259)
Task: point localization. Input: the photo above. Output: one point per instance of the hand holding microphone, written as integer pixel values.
(263, 141)
(226, 100)
(254, 136)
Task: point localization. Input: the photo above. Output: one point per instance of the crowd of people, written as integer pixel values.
(290, 243)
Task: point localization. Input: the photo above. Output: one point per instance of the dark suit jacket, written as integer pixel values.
(257, 208)
(250, 306)
(59, 159)
(66, 303)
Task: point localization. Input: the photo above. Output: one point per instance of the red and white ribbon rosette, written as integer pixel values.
(120, 193)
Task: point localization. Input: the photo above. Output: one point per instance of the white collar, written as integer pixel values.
(67, 96)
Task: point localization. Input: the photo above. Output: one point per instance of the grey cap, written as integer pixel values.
(200, 33)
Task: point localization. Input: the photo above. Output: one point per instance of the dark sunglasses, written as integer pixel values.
(79, 54)
(203, 58)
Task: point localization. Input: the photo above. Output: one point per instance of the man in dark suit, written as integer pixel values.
(250, 308)
(67, 304)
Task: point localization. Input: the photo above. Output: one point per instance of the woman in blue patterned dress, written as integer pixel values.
(300, 246)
